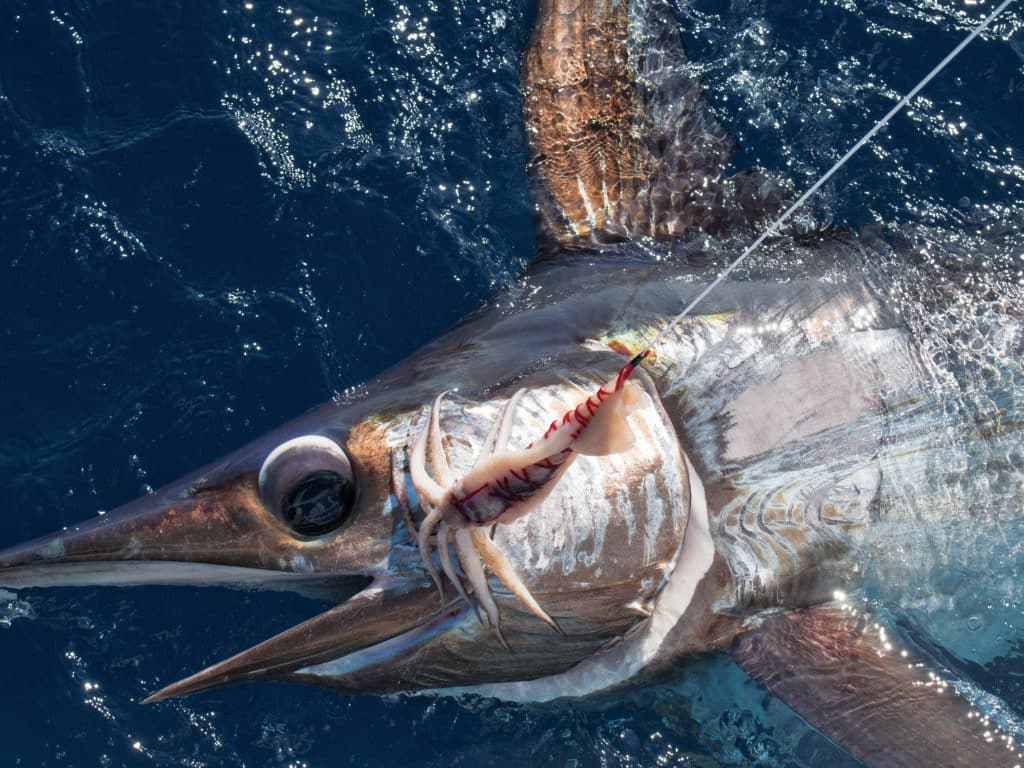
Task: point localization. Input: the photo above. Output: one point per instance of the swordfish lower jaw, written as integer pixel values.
(377, 624)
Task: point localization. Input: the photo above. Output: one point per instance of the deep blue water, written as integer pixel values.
(213, 216)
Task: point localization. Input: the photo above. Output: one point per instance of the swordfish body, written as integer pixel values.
(816, 436)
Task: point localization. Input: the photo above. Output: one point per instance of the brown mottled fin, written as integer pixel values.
(842, 674)
(622, 141)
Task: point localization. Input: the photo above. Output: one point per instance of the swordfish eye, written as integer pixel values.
(308, 484)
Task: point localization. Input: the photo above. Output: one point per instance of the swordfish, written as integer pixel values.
(842, 417)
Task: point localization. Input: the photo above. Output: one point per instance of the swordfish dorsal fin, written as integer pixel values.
(622, 142)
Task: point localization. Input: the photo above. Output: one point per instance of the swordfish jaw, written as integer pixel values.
(384, 613)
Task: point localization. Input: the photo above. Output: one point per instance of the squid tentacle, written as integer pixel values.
(430, 522)
(474, 570)
(449, 570)
(502, 568)
(438, 458)
(426, 487)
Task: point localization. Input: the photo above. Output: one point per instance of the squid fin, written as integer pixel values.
(608, 431)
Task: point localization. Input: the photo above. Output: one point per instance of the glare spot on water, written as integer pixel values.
(12, 609)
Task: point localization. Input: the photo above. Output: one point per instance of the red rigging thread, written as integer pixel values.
(501, 487)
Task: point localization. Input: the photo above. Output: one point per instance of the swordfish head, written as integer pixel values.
(325, 505)
(622, 147)
(614, 552)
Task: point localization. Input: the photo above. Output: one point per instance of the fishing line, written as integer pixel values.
(773, 228)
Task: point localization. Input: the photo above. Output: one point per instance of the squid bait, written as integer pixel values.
(503, 485)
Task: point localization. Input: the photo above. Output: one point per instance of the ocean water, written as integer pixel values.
(214, 216)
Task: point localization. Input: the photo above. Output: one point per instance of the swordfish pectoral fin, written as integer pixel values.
(882, 703)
